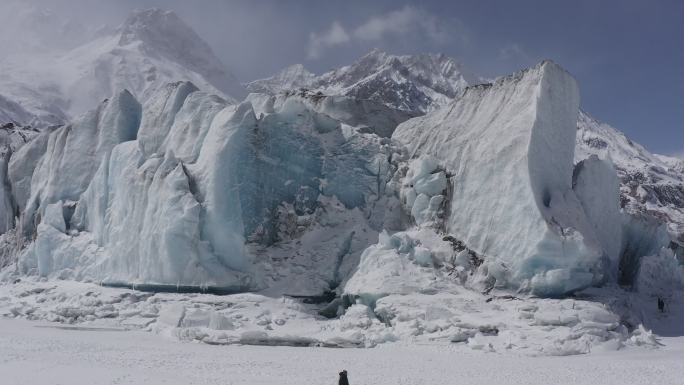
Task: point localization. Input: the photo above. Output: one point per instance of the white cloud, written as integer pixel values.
(336, 35)
(403, 22)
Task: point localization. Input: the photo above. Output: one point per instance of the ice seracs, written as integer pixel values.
(508, 148)
(73, 153)
(596, 185)
(193, 190)
(651, 186)
(425, 228)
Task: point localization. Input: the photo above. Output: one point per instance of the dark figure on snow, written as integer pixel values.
(661, 305)
(343, 378)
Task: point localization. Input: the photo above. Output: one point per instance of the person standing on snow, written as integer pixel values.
(343, 378)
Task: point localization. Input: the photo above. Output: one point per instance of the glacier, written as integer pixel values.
(178, 194)
(193, 190)
(509, 149)
(651, 186)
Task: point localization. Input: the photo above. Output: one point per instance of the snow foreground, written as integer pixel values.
(38, 354)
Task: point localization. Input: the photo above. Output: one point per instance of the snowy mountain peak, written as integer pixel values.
(163, 34)
(415, 83)
(150, 49)
(297, 70)
(166, 34)
(375, 55)
(292, 77)
(411, 83)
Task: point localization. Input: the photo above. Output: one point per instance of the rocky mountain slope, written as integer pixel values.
(411, 83)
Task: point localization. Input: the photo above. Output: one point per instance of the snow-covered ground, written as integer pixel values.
(596, 320)
(40, 353)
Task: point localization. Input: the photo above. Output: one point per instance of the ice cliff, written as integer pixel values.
(508, 149)
(303, 193)
(191, 190)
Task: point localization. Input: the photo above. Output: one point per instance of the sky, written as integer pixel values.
(628, 56)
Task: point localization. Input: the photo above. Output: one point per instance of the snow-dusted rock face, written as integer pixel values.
(411, 83)
(508, 149)
(34, 37)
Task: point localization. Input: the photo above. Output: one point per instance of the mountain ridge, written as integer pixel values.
(412, 83)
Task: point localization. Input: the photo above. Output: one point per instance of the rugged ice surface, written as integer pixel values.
(191, 190)
(455, 316)
(73, 152)
(596, 185)
(508, 150)
(651, 186)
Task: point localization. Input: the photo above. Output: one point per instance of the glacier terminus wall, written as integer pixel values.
(302, 193)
